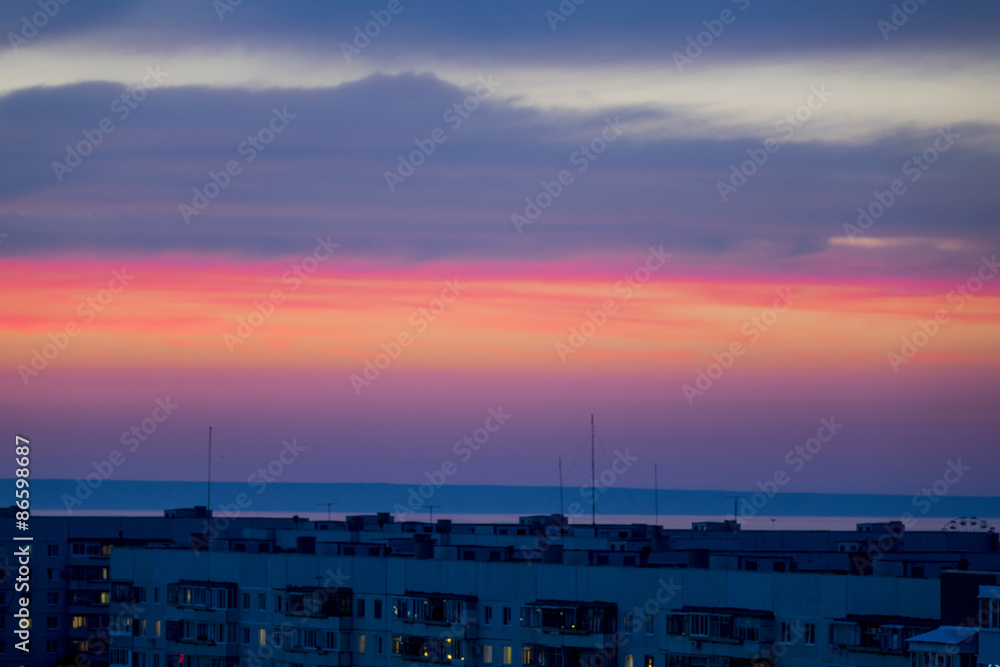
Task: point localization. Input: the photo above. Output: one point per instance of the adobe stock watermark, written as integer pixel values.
(363, 35)
(122, 107)
(31, 25)
(581, 158)
(464, 449)
(696, 44)
(562, 12)
(900, 14)
(786, 127)
(915, 167)
(223, 7)
(261, 655)
(589, 493)
(419, 319)
(264, 308)
(923, 502)
(248, 149)
(88, 309)
(454, 116)
(131, 439)
(258, 481)
(630, 283)
(931, 327)
(753, 329)
(796, 459)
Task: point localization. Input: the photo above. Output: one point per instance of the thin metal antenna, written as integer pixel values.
(328, 515)
(208, 502)
(593, 479)
(736, 511)
(430, 508)
(562, 512)
(656, 497)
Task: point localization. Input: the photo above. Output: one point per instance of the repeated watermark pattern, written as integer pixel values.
(248, 149)
(122, 107)
(926, 330)
(420, 319)
(264, 309)
(88, 309)
(454, 116)
(581, 158)
(696, 44)
(753, 328)
(914, 168)
(625, 288)
(786, 128)
(465, 448)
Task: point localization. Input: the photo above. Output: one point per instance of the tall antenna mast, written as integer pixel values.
(593, 478)
(562, 512)
(208, 502)
(656, 497)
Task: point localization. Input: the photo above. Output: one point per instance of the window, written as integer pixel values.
(53, 550)
(628, 660)
(51, 646)
(506, 652)
(488, 654)
(810, 634)
(246, 600)
(119, 656)
(650, 625)
(648, 661)
(378, 644)
(377, 611)
(629, 623)
(526, 654)
(779, 566)
(750, 565)
(52, 574)
(361, 607)
(844, 634)
(699, 625)
(506, 620)
(261, 636)
(52, 598)
(156, 628)
(786, 633)
(361, 643)
(51, 622)
(262, 602)
(246, 635)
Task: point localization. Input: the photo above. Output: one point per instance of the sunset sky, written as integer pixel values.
(239, 207)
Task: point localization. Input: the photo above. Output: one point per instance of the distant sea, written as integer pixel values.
(467, 503)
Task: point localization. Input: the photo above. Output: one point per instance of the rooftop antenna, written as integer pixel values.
(656, 497)
(208, 502)
(328, 516)
(593, 479)
(562, 512)
(736, 512)
(430, 508)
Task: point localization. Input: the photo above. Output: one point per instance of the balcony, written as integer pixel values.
(313, 602)
(570, 618)
(429, 650)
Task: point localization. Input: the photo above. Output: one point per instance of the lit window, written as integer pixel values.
(488, 654)
(262, 636)
(361, 643)
(507, 655)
